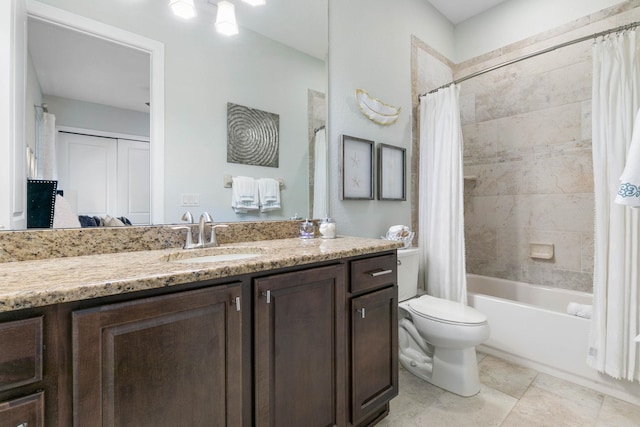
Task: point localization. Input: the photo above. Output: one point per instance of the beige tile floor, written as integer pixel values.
(510, 396)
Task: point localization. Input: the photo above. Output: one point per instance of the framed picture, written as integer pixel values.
(392, 166)
(356, 166)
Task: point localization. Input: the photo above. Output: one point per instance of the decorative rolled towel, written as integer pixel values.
(629, 190)
(580, 310)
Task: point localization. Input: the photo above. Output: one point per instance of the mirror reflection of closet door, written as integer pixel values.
(133, 180)
(104, 176)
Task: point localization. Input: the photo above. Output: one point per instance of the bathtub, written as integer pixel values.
(530, 327)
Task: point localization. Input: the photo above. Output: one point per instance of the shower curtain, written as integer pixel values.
(441, 214)
(615, 321)
(320, 178)
(45, 147)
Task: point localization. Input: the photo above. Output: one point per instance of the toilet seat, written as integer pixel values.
(445, 311)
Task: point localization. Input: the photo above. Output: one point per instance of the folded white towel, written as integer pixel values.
(580, 310)
(244, 194)
(269, 192)
(629, 190)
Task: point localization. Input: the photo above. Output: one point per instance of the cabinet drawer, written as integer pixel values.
(23, 412)
(20, 352)
(372, 273)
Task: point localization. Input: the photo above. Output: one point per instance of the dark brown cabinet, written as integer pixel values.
(299, 335)
(374, 352)
(312, 346)
(171, 360)
(374, 338)
(23, 412)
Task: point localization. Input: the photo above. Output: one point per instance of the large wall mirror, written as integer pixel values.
(133, 71)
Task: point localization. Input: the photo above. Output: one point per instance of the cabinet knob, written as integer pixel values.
(362, 312)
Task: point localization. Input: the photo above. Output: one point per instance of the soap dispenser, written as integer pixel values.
(307, 229)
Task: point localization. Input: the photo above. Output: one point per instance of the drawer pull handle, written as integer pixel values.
(362, 312)
(23, 425)
(268, 296)
(237, 301)
(380, 273)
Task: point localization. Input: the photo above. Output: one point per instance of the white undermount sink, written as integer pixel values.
(215, 258)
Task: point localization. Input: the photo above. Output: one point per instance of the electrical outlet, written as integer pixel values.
(190, 199)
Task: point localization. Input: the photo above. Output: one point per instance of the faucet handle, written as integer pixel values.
(187, 217)
(189, 240)
(206, 217)
(213, 240)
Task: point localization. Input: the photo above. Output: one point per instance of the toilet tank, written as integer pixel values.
(407, 273)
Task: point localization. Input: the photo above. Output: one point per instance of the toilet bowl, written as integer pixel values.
(437, 337)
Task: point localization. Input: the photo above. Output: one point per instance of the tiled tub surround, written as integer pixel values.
(527, 145)
(25, 284)
(527, 139)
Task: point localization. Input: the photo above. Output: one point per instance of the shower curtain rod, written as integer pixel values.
(536, 53)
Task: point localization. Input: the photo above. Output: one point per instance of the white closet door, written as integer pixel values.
(88, 173)
(133, 180)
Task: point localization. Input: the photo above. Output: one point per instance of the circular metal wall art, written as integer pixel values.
(252, 136)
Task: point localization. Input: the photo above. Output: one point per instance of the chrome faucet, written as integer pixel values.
(205, 218)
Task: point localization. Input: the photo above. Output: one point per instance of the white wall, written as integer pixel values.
(33, 97)
(5, 109)
(515, 20)
(370, 48)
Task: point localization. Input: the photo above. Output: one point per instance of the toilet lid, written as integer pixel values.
(447, 311)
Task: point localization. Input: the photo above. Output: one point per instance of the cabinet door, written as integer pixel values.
(299, 348)
(173, 360)
(24, 412)
(374, 351)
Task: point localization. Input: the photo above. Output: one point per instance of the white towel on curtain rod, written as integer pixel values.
(320, 178)
(46, 162)
(441, 211)
(616, 319)
(629, 190)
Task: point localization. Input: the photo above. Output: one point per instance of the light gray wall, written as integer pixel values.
(370, 48)
(516, 20)
(87, 115)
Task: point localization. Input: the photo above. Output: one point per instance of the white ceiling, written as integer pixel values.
(458, 11)
(72, 65)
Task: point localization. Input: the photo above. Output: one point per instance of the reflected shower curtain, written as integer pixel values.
(615, 321)
(441, 211)
(46, 165)
(320, 178)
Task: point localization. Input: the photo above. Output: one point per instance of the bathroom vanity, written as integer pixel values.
(276, 332)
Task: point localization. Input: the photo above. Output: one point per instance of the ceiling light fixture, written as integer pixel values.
(226, 19)
(183, 8)
(255, 2)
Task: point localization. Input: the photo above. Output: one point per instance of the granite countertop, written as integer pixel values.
(27, 284)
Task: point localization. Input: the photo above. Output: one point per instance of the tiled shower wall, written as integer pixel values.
(527, 157)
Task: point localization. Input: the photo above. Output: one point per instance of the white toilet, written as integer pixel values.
(437, 337)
